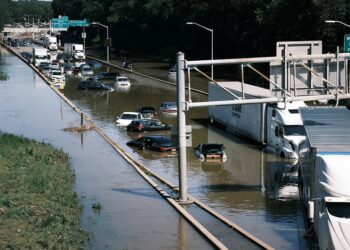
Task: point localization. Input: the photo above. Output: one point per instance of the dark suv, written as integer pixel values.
(93, 85)
(106, 76)
(147, 125)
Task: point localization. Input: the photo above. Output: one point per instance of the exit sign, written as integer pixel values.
(346, 43)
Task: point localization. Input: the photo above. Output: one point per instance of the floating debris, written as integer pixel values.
(79, 129)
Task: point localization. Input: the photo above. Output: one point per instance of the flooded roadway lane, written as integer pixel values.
(133, 215)
(256, 190)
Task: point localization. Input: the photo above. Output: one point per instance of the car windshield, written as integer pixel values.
(56, 73)
(128, 116)
(212, 148)
(122, 79)
(294, 130)
(169, 105)
(163, 140)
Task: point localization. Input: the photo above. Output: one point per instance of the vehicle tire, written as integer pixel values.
(282, 155)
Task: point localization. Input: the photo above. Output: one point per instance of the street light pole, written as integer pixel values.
(105, 26)
(212, 43)
(334, 21)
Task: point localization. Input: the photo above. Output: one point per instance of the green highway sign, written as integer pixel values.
(346, 43)
(60, 23)
(78, 23)
(63, 23)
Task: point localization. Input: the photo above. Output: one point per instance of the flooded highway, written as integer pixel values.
(254, 189)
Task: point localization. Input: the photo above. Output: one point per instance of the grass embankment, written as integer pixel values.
(38, 206)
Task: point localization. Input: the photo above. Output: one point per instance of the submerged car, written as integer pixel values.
(122, 81)
(68, 68)
(168, 107)
(211, 151)
(153, 142)
(147, 125)
(106, 75)
(86, 70)
(127, 117)
(127, 65)
(147, 112)
(93, 85)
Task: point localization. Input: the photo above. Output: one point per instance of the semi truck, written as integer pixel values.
(50, 42)
(75, 50)
(324, 175)
(39, 55)
(277, 126)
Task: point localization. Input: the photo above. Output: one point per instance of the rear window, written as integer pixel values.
(212, 148)
(129, 116)
(339, 209)
(163, 140)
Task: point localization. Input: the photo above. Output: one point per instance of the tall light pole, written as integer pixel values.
(107, 40)
(334, 21)
(212, 43)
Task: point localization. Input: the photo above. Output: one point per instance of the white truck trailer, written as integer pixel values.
(324, 174)
(39, 55)
(50, 42)
(278, 126)
(75, 50)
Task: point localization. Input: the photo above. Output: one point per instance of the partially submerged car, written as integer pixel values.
(57, 78)
(86, 70)
(147, 112)
(147, 125)
(153, 142)
(169, 108)
(122, 81)
(127, 65)
(127, 117)
(210, 152)
(106, 75)
(93, 85)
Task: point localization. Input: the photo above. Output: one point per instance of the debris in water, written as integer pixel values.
(79, 129)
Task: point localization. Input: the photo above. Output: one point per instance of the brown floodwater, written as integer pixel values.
(254, 189)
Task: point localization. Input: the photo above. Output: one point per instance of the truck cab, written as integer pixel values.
(285, 130)
(330, 209)
(324, 175)
(39, 56)
(50, 42)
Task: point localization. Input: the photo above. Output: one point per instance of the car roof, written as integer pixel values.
(146, 120)
(131, 113)
(211, 144)
(155, 136)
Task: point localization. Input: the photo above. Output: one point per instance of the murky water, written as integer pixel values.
(254, 189)
(133, 215)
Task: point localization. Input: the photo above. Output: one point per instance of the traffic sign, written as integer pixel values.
(59, 23)
(63, 23)
(346, 43)
(78, 23)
